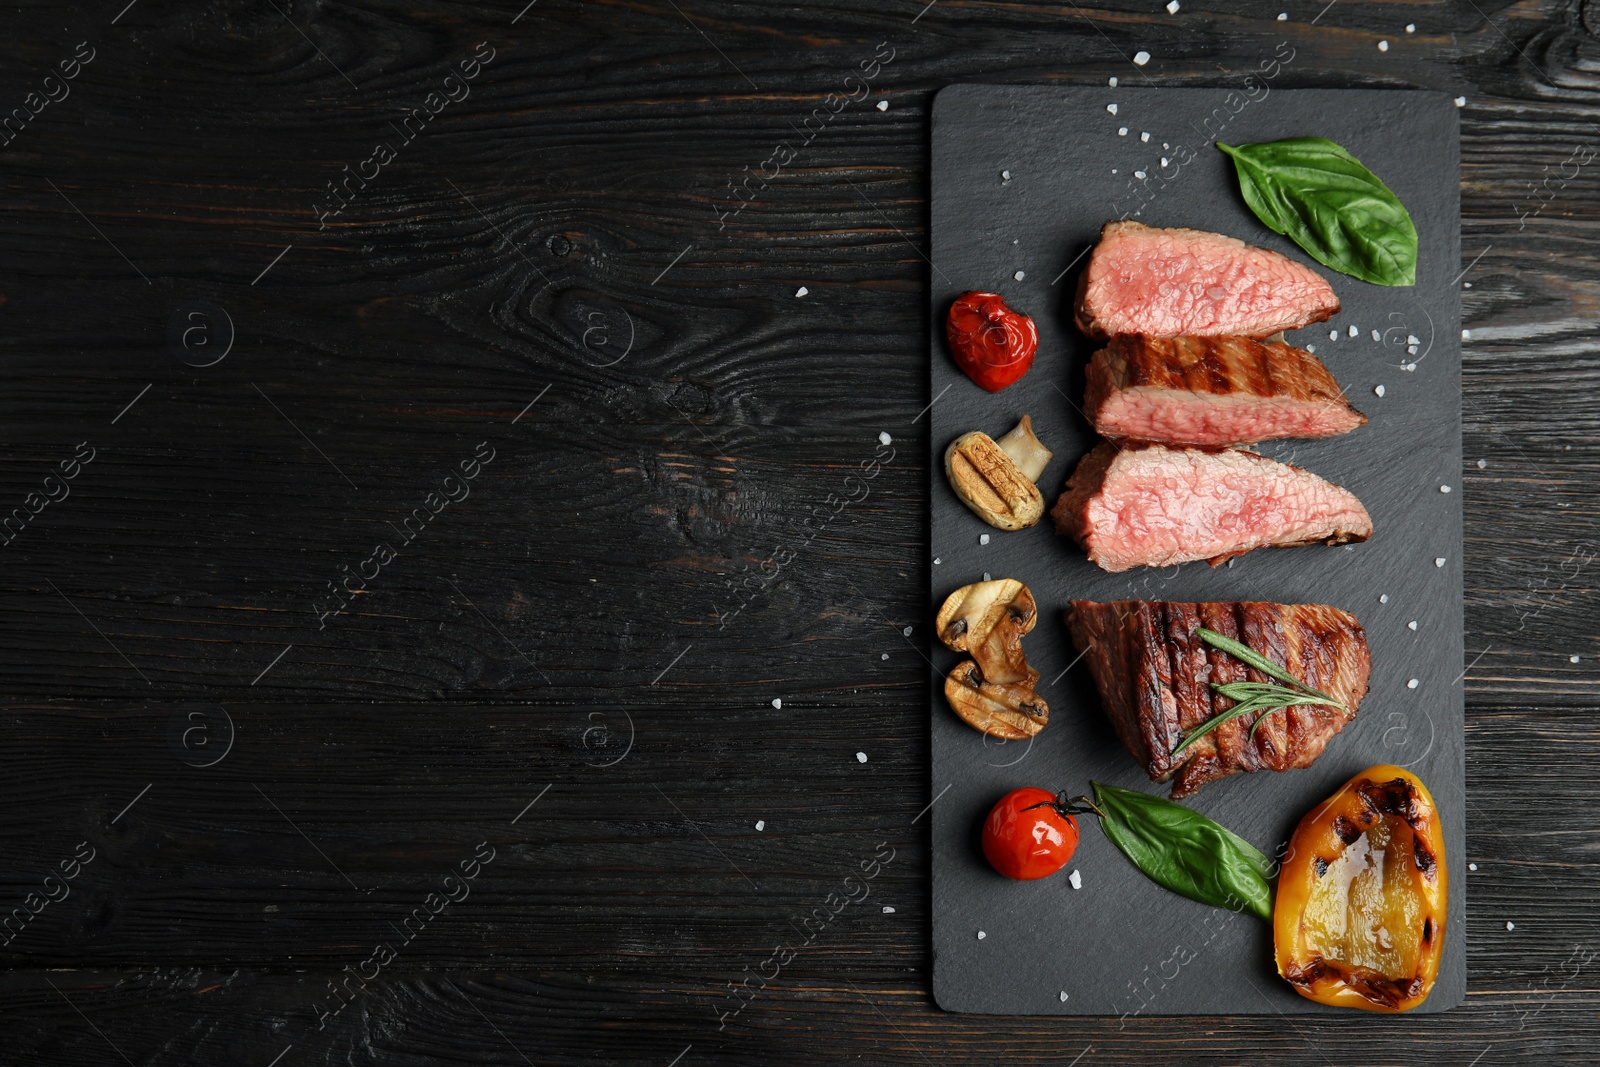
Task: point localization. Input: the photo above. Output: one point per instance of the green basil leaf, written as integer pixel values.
(1182, 850)
(1320, 196)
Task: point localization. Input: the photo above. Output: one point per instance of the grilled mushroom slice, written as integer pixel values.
(987, 620)
(991, 483)
(1009, 712)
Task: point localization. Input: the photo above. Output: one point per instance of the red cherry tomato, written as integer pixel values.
(1023, 840)
(993, 344)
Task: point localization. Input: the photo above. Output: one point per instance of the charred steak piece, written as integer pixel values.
(1168, 283)
(1155, 676)
(1213, 391)
(1152, 506)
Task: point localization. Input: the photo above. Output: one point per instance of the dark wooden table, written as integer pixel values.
(505, 339)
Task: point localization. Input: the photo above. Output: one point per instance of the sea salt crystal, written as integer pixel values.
(982, 935)
(1409, 367)
(1411, 27)
(1438, 561)
(1472, 866)
(1112, 82)
(1122, 131)
(861, 757)
(906, 632)
(884, 656)
(937, 561)
(1383, 46)
(986, 577)
(1355, 331)
(1005, 175)
(1444, 489)
(777, 702)
(761, 824)
(1411, 350)
(1413, 339)
(883, 105)
(1140, 58)
(888, 910)
(1144, 136)
(884, 438)
(1138, 174)
(1461, 101)
(983, 539)
(1164, 162)
(1383, 598)
(1075, 879)
(1283, 16)
(1111, 108)
(1574, 659)
(1412, 684)
(802, 291)
(1466, 335)
(1412, 625)
(1018, 276)
(1511, 926)
(1483, 464)
(1376, 336)
(1333, 335)
(1064, 992)
(1378, 390)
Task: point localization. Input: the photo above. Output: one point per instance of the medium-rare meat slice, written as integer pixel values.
(1169, 283)
(1155, 678)
(1213, 391)
(1152, 506)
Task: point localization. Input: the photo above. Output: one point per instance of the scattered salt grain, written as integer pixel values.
(1461, 101)
(1144, 136)
(761, 824)
(1333, 335)
(777, 702)
(1376, 336)
(802, 291)
(1311, 348)
(1064, 992)
(1112, 82)
(1472, 866)
(1111, 108)
(1574, 659)
(1075, 880)
(888, 910)
(1412, 684)
(1005, 175)
(883, 105)
(982, 935)
(1412, 625)
(861, 757)
(1444, 489)
(983, 539)
(986, 577)
(1139, 174)
(1409, 367)
(1483, 464)
(1283, 16)
(1017, 277)
(1411, 27)
(1511, 926)
(1438, 561)
(1466, 335)
(884, 438)
(1355, 331)
(906, 632)
(1165, 162)
(1122, 131)
(1413, 339)
(1140, 58)
(1378, 390)
(1383, 598)
(1411, 350)
(884, 656)
(1383, 46)
(1172, 9)
(937, 561)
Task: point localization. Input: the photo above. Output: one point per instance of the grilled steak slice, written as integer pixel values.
(1153, 506)
(1155, 679)
(1213, 391)
(1168, 283)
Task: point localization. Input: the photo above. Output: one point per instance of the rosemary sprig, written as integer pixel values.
(1252, 697)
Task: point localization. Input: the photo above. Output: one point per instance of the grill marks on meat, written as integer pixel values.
(1213, 391)
(1155, 679)
(1154, 506)
(1174, 282)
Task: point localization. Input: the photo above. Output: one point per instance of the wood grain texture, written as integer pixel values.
(607, 564)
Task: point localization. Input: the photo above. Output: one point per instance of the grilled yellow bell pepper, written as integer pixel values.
(1360, 915)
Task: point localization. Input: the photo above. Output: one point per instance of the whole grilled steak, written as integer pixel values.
(1213, 391)
(1155, 677)
(1167, 283)
(1153, 506)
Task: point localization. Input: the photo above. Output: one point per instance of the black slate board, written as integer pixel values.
(1120, 945)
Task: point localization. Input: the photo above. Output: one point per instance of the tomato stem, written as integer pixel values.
(1065, 806)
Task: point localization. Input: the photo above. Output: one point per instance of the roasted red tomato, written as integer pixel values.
(990, 341)
(1027, 836)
